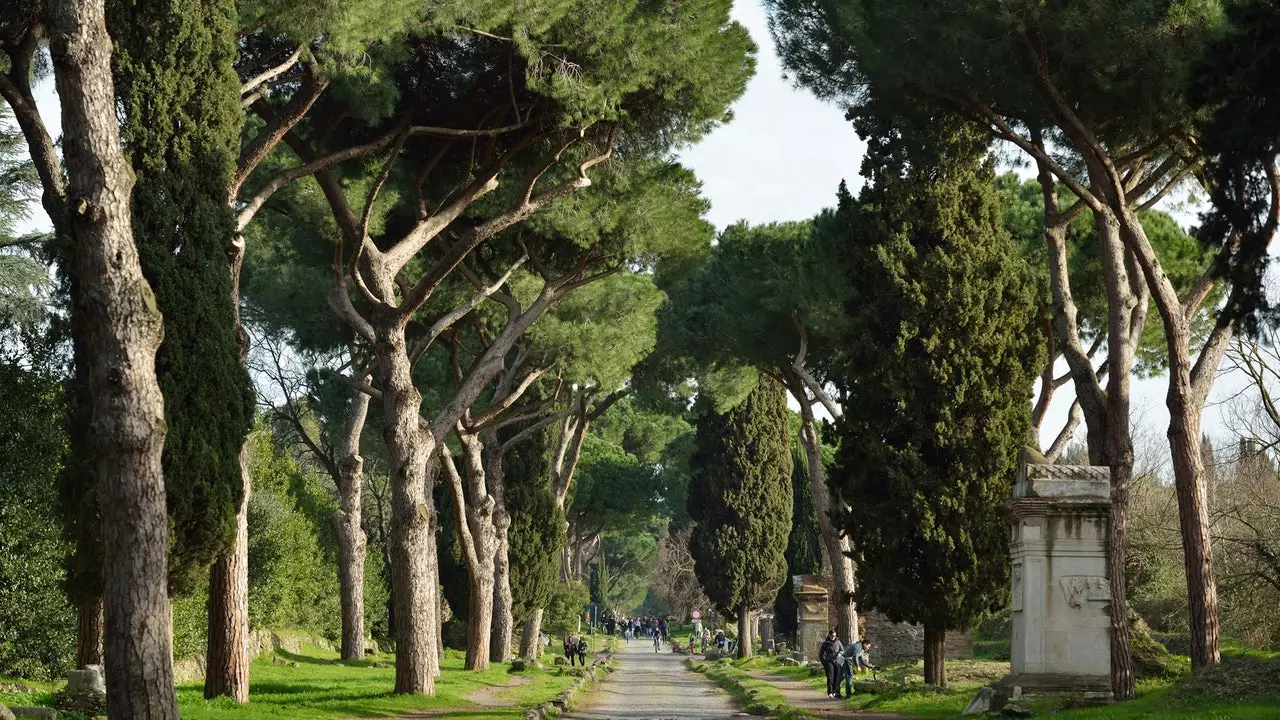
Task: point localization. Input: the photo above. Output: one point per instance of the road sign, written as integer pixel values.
(696, 615)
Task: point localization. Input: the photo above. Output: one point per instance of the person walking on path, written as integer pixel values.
(845, 663)
(582, 650)
(570, 647)
(657, 640)
(827, 653)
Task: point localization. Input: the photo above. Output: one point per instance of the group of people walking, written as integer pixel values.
(636, 628)
(575, 648)
(840, 662)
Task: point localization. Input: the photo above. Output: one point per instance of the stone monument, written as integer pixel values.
(1061, 596)
(811, 614)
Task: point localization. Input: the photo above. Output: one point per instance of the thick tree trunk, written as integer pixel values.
(412, 540)
(347, 524)
(745, 646)
(89, 633)
(227, 655)
(531, 642)
(479, 621)
(836, 544)
(935, 655)
(503, 622)
(124, 330)
(1185, 403)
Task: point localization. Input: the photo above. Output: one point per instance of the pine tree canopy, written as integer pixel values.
(741, 499)
(936, 380)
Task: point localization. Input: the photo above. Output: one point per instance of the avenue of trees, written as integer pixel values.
(403, 322)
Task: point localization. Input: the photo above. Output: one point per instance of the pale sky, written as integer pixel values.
(782, 158)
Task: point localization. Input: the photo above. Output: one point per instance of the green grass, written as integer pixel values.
(756, 696)
(323, 687)
(1246, 686)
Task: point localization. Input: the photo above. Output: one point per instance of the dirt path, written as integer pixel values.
(654, 686)
(800, 694)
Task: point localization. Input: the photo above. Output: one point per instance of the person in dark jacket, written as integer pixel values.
(827, 653)
(582, 650)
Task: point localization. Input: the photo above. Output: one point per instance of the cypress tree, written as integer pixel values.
(741, 499)
(804, 544)
(938, 374)
(180, 99)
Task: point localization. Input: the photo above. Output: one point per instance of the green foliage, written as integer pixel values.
(565, 607)
(182, 138)
(537, 532)
(38, 629)
(293, 580)
(741, 500)
(804, 544)
(1122, 66)
(23, 279)
(598, 583)
(936, 379)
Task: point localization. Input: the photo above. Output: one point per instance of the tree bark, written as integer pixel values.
(124, 330)
(503, 622)
(1106, 413)
(476, 533)
(347, 523)
(1185, 407)
(745, 647)
(531, 642)
(412, 539)
(1126, 316)
(227, 654)
(89, 633)
(935, 655)
(835, 543)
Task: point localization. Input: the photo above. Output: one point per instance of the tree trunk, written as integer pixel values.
(1185, 403)
(1106, 413)
(503, 622)
(89, 633)
(347, 524)
(1126, 316)
(479, 621)
(745, 648)
(412, 540)
(124, 329)
(531, 643)
(227, 655)
(935, 652)
(835, 544)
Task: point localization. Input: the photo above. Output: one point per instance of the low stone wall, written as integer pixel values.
(901, 642)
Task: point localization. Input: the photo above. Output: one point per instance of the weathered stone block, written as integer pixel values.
(4, 713)
(35, 712)
(90, 678)
(980, 704)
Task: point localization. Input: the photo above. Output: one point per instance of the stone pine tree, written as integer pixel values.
(740, 497)
(182, 138)
(937, 378)
(804, 544)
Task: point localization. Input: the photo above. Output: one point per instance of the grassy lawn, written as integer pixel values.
(1246, 686)
(324, 688)
(756, 696)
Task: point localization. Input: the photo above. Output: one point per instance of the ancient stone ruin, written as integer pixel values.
(1060, 592)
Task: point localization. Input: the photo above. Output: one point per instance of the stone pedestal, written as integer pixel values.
(811, 614)
(1060, 592)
